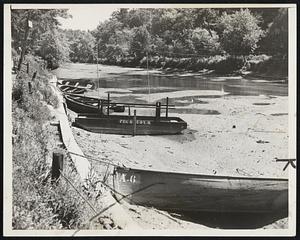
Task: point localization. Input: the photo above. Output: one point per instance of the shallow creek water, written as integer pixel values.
(128, 84)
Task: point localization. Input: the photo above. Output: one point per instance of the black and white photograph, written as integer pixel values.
(150, 119)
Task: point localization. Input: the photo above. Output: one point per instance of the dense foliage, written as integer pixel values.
(193, 39)
(240, 32)
(166, 36)
(43, 38)
(81, 46)
(186, 31)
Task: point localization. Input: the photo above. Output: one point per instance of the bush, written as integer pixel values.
(221, 64)
(49, 96)
(229, 65)
(271, 67)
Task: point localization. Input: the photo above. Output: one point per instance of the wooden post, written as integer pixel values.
(29, 87)
(108, 104)
(57, 165)
(34, 76)
(101, 107)
(157, 112)
(129, 111)
(134, 122)
(167, 107)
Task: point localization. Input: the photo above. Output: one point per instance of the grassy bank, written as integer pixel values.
(38, 203)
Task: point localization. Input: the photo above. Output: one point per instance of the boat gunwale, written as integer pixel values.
(201, 175)
(160, 119)
(84, 103)
(70, 95)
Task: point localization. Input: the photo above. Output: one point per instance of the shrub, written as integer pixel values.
(229, 65)
(274, 67)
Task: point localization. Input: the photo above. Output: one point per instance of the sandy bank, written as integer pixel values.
(243, 140)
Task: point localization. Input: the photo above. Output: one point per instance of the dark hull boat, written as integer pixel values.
(184, 192)
(82, 104)
(128, 125)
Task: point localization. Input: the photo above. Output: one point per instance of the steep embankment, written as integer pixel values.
(38, 203)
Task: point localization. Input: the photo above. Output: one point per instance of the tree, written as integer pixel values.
(240, 32)
(122, 16)
(82, 45)
(43, 20)
(139, 44)
(53, 47)
(276, 40)
(205, 41)
(138, 17)
(205, 18)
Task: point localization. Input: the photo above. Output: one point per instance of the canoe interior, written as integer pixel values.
(72, 89)
(81, 83)
(81, 104)
(207, 193)
(124, 124)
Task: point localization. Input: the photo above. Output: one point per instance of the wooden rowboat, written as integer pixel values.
(71, 89)
(192, 192)
(75, 87)
(83, 104)
(130, 125)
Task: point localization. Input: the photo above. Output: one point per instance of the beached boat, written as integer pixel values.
(71, 89)
(183, 192)
(130, 125)
(81, 83)
(83, 104)
(75, 88)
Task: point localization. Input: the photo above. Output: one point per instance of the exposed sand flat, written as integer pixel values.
(153, 97)
(241, 136)
(211, 144)
(176, 94)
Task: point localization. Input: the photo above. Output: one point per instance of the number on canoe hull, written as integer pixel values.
(138, 122)
(129, 178)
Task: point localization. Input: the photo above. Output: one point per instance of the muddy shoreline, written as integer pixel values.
(243, 140)
(236, 127)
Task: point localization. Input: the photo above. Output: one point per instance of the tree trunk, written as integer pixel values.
(24, 45)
